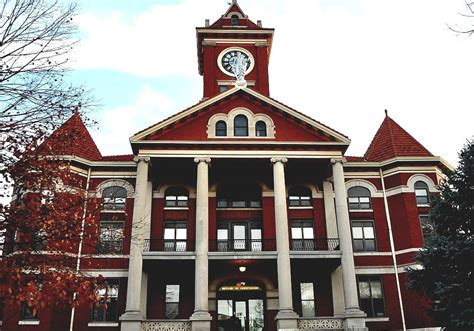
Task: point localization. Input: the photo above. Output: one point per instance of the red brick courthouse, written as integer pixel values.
(246, 212)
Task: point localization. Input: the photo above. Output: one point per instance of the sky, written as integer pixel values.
(342, 62)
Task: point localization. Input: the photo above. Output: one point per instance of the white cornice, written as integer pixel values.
(98, 163)
(243, 142)
(233, 31)
(364, 164)
(260, 154)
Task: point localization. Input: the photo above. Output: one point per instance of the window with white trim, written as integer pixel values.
(371, 295)
(106, 309)
(422, 193)
(359, 198)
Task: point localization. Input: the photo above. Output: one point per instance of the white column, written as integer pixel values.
(354, 317)
(131, 319)
(286, 317)
(201, 319)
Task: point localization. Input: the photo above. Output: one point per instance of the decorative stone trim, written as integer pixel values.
(320, 323)
(166, 325)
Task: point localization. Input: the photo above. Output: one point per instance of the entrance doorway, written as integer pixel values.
(240, 307)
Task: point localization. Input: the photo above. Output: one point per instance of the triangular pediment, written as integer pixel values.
(192, 124)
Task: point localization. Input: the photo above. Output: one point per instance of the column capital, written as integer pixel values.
(202, 159)
(341, 160)
(279, 159)
(139, 158)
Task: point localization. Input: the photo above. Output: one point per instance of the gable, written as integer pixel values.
(192, 124)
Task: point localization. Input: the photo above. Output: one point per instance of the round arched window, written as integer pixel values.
(359, 198)
(241, 126)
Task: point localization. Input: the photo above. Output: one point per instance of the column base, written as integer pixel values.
(131, 321)
(287, 320)
(354, 320)
(201, 321)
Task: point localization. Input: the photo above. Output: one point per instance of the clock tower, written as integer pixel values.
(233, 36)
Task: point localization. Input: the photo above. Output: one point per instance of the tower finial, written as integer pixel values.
(386, 112)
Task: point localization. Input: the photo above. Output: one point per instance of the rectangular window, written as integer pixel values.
(427, 227)
(371, 296)
(422, 196)
(110, 237)
(302, 236)
(106, 310)
(363, 236)
(175, 237)
(172, 302)
(28, 313)
(308, 308)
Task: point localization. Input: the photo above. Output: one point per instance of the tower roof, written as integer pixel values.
(391, 140)
(72, 138)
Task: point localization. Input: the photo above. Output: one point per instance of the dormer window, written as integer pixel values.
(234, 20)
(221, 129)
(260, 129)
(241, 126)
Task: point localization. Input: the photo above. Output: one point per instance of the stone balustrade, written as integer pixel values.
(322, 323)
(166, 325)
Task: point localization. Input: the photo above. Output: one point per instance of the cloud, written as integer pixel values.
(341, 62)
(117, 124)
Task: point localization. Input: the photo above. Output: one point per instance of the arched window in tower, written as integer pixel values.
(260, 129)
(114, 198)
(299, 196)
(359, 198)
(234, 20)
(421, 193)
(221, 129)
(176, 197)
(241, 126)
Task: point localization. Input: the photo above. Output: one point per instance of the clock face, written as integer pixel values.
(228, 58)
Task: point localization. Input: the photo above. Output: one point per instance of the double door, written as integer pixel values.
(239, 236)
(241, 315)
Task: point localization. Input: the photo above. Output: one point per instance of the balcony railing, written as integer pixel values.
(242, 245)
(319, 244)
(166, 245)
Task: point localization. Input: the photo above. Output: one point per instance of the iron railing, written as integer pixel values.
(242, 245)
(318, 244)
(168, 245)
